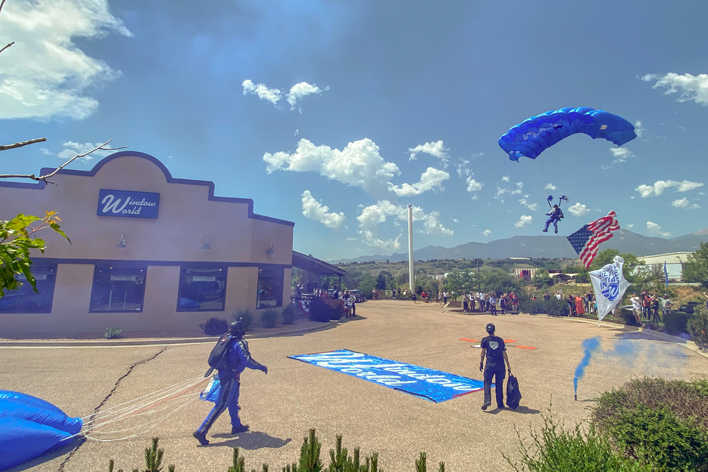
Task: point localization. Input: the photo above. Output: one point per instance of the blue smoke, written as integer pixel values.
(590, 345)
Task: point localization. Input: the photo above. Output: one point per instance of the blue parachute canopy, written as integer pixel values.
(531, 137)
(30, 426)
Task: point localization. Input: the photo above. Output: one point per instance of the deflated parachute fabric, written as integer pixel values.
(30, 426)
(532, 136)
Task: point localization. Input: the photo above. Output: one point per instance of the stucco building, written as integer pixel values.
(148, 252)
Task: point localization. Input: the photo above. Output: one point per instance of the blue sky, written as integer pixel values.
(338, 114)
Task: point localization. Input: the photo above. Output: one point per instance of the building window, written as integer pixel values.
(118, 289)
(270, 288)
(202, 289)
(25, 299)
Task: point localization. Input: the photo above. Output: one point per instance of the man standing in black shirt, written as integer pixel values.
(494, 349)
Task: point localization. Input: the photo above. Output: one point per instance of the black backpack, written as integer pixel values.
(218, 358)
(513, 394)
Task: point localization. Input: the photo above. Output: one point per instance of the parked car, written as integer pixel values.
(358, 296)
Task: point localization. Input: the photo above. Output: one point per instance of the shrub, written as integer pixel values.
(675, 322)
(552, 306)
(325, 310)
(289, 314)
(627, 317)
(246, 315)
(113, 332)
(554, 449)
(269, 317)
(698, 328)
(214, 326)
(664, 422)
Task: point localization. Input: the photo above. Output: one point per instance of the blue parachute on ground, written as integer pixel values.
(30, 426)
(531, 137)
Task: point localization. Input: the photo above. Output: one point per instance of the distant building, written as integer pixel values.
(674, 263)
(526, 274)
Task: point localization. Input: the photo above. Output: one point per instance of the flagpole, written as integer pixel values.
(411, 282)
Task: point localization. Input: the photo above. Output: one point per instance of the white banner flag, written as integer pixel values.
(609, 285)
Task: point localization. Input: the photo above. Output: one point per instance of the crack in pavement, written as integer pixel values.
(105, 399)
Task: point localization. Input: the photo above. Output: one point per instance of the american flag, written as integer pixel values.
(587, 239)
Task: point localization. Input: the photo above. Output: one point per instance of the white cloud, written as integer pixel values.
(314, 210)
(505, 178)
(523, 221)
(661, 185)
(487, 232)
(630, 226)
(72, 149)
(689, 87)
(578, 209)
(358, 165)
(261, 91)
(45, 74)
(685, 204)
(273, 95)
(621, 155)
(530, 206)
(502, 191)
(655, 229)
(473, 185)
(435, 149)
(463, 169)
(431, 179)
(455, 220)
(373, 215)
(549, 187)
(639, 128)
(300, 91)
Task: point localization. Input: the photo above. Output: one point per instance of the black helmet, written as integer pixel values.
(237, 328)
(490, 328)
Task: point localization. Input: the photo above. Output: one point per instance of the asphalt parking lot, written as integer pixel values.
(282, 406)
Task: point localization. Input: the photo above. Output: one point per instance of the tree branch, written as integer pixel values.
(22, 143)
(44, 178)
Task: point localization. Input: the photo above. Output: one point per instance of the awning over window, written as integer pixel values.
(316, 266)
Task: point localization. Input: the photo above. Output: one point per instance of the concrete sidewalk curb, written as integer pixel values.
(157, 341)
(657, 334)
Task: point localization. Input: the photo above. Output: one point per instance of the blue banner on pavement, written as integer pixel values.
(431, 384)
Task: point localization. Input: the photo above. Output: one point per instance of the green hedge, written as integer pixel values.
(676, 322)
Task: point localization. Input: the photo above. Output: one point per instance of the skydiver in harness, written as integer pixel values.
(238, 358)
(555, 214)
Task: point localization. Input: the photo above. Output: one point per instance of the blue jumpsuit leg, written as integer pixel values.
(229, 389)
(233, 405)
(548, 222)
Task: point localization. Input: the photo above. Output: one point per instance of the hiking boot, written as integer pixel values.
(545, 230)
(485, 406)
(239, 429)
(201, 437)
(500, 407)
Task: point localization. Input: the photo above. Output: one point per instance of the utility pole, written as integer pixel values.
(411, 282)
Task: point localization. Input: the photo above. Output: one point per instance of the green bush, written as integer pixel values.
(113, 332)
(555, 449)
(664, 422)
(325, 309)
(676, 322)
(246, 315)
(698, 328)
(214, 326)
(552, 306)
(288, 314)
(269, 317)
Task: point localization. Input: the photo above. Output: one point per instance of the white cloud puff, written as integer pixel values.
(689, 87)
(273, 95)
(524, 221)
(473, 185)
(315, 210)
(578, 209)
(639, 128)
(373, 215)
(659, 186)
(487, 232)
(655, 230)
(505, 178)
(358, 165)
(549, 187)
(431, 179)
(685, 204)
(45, 74)
(435, 149)
(530, 206)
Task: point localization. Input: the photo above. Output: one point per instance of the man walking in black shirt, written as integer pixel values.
(494, 349)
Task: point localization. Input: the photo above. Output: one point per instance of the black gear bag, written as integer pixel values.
(219, 358)
(513, 394)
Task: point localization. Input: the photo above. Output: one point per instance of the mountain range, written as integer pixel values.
(552, 247)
